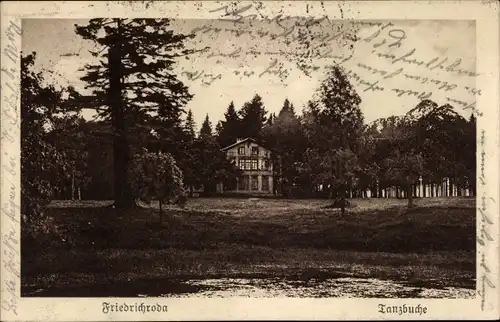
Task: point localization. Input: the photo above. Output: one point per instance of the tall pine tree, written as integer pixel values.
(131, 78)
(253, 117)
(186, 154)
(190, 126)
(228, 129)
(211, 166)
(206, 128)
(285, 137)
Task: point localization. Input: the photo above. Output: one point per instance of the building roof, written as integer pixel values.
(241, 141)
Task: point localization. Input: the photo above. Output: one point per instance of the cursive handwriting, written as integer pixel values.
(11, 50)
(395, 39)
(313, 44)
(437, 62)
(206, 78)
(484, 237)
(289, 34)
(10, 132)
(240, 15)
(368, 86)
(10, 264)
(276, 69)
(465, 105)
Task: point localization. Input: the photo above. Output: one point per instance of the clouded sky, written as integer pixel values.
(388, 74)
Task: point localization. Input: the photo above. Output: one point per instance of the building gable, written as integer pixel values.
(255, 162)
(248, 142)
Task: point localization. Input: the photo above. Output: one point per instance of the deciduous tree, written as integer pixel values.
(156, 176)
(43, 166)
(336, 131)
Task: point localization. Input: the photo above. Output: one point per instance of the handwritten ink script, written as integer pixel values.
(484, 237)
(377, 56)
(10, 133)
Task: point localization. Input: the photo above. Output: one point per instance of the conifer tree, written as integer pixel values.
(253, 117)
(228, 129)
(285, 137)
(187, 162)
(190, 126)
(132, 78)
(206, 128)
(211, 166)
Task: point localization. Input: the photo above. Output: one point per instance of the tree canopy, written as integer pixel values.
(131, 81)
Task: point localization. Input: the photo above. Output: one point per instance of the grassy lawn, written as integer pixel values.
(105, 252)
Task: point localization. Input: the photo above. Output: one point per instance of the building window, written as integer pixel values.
(255, 183)
(255, 165)
(265, 183)
(241, 164)
(255, 150)
(267, 165)
(241, 150)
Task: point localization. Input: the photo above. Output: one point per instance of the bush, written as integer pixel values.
(156, 176)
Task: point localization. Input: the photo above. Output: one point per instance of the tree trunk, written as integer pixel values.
(122, 195)
(73, 186)
(410, 196)
(161, 211)
(289, 188)
(342, 199)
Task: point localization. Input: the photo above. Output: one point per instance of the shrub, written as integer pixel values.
(156, 176)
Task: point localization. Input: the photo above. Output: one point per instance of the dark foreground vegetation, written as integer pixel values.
(101, 251)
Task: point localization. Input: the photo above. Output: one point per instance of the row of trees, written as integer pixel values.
(330, 145)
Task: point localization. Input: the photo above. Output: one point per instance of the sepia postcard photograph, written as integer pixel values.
(249, 160)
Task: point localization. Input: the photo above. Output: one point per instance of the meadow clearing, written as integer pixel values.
(100, 251)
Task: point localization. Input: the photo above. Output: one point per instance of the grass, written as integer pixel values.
(106, 252)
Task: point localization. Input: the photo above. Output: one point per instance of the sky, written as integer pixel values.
(392, 65)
